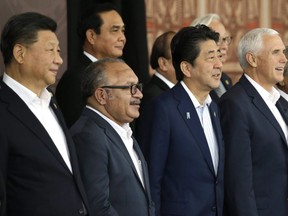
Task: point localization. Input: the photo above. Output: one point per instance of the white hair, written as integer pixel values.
(252, 42)
(205, 20)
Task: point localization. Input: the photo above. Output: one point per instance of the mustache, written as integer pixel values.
(135, 102)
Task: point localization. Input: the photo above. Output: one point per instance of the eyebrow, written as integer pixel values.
(213, 51)
(117, 26)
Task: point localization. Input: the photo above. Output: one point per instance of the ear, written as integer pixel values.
(162, 62)
(19, 53)
(251, 59)
(186, 68)
(90, 36)
(101, 96)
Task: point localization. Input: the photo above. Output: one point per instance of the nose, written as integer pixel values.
(218, 63)
(58, 59)
(122, 37)
(223, 46)
(138, 94)
(285, 57)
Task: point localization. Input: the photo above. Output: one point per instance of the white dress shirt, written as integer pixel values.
(40, 107)
(205, 119)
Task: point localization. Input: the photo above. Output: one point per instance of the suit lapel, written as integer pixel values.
(19, 109)
(113, 136)
(261, 105)
(214, 113)
(191, 119)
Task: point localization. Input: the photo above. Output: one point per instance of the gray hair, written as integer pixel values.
(205, 20)
(94, 76)
(252, 42)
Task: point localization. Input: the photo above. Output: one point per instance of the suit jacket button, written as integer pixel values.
(213, 208)
(81, 211)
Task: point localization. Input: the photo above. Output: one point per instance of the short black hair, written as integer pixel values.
(185, 45)
(91, 18)
(161, 48)
(23, 28)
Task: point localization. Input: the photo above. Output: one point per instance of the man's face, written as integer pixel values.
(224, 36)
(111, 40)
(206, 72)
(41, 62)
(270, 61)
(122, 106)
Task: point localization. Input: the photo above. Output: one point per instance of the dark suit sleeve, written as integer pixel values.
(3, 170)
(93, 160)
(239, 192)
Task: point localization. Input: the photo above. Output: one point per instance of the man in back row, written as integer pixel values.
(101, 31)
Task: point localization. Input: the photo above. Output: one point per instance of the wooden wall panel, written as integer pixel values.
(239, 16)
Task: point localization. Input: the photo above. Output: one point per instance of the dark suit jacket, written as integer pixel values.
(227, 83)
(256, 177)
(38, 182)
(2, 192)
(68, 91)
(182, 177)
(153, 88)
(110, 178)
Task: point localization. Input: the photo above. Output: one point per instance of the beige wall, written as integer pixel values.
(238, 16)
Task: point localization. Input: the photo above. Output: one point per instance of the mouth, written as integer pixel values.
(120, 47)
(217, 76)
(54, 71)
(280, 69)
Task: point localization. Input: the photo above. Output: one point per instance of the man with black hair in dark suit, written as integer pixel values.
(38, 160)
(101, 31)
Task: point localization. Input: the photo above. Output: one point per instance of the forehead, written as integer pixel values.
(120, 71)
(218, 27)
(111, 18)
(207, 47)
(272, 40)
(47, 37)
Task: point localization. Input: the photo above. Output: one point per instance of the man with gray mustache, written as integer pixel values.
(113, 168)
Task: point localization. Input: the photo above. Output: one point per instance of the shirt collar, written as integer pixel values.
(164, 79)
(283, 94)
(91, 57)
(195, 102)
(272, 96)
(26, 94)
(123, 130)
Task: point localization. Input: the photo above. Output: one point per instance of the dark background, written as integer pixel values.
(67, 14)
